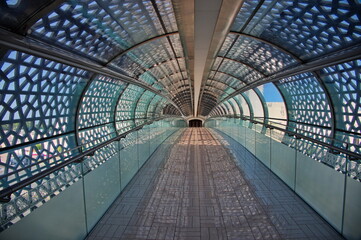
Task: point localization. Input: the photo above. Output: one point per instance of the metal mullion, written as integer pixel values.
(138, 45)
(6, 193)
(22, 44)
(24, 144)
(147, 108)
(250, 106)
(165, 30)
(263, 102)
(136, 104)
(344, 55)
(330, 103)
(268, 43)
(229, 74)
(246, 64)
(116, 108)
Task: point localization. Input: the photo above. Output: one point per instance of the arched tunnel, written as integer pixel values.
(181, 118)
(195, 123)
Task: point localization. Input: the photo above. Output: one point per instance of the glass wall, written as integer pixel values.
(328, 182)
(88, 188)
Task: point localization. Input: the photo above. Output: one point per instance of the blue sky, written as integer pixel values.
(271, 93)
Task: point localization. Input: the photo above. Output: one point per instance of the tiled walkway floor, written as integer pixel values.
(201, 193)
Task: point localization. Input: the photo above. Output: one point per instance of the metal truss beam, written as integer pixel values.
(24, 44)
(139, 45)
(345, 55)
(228, 12)
(184, 14)
(268, 43)
(228, 74)
(243, 63)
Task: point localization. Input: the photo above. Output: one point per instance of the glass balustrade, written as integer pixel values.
(328, 181)
(78, 195)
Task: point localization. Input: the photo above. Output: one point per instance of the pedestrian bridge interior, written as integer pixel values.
(180, 119)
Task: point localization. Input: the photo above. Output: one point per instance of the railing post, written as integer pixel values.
(344, 193)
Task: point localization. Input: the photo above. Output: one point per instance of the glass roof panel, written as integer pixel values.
(99, 101)
(262, 56)
(165, 8)
(37, 97)
(308, 28)
(227, 79)
(127, 66)
(243, 104)
(244, 14)
(152, 53)
(308, 108)
(240, 71)
(256, 103)
(274, 101)
(344, 85)
(143, 104)
(99, 29)
(127, 103)
(226, 46)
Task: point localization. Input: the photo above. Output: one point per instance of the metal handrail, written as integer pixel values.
(61, 154)
(5, 194)
(352, 155)
(287, 126)
(357, 135)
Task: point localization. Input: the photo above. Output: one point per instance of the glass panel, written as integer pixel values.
(143, 145)
(263, 148)
(129, 162)
(101, 29)
(37, 98)
(243, 104)
(226, 78)
(239, 70)
(101, 187)
(306, 28)
(256, 103)
(322, 187)
(91, 137)
(307, 105)
(61, 218)
(99, 101)
(262, 56)
(250, 140)
(243, 134)
(276, 106)
(283, 161)
(352, 218)
(344, 84)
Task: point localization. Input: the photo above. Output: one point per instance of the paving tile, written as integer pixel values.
(206, 191)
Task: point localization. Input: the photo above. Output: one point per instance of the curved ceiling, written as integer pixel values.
(76, 69)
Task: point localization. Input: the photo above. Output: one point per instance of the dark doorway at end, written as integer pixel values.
(195, 123)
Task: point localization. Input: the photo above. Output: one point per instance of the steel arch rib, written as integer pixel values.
(138, 45)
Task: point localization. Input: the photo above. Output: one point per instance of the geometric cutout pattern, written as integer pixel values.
(38, 97)
(307, 105)
(264, 57)
(99, 29)
(306, 28)
(343, 82)
(99, 101)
